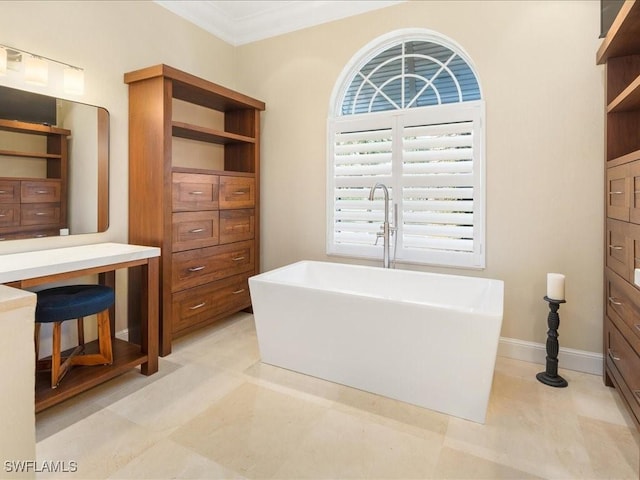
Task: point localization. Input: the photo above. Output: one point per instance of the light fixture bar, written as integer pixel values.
(7, 47)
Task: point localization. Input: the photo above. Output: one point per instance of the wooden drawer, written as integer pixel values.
(194, 191)
(619, 248)
(237, 225)
(204, 265)
(237, 192)
(624, 363)
(623, 304)
(618, 192)
(194, 230)
(209, 302)
(9, 191)
(9, 215)
(634, 192)
(40, 191)
(40, 214)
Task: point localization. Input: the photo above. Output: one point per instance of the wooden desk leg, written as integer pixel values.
(149, 315)
(109, 279)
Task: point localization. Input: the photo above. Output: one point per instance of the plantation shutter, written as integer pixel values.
(438, 182)
(362, 157)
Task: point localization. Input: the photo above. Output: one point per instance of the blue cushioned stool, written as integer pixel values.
(56, 305)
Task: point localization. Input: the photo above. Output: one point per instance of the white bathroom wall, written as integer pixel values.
(544, 124)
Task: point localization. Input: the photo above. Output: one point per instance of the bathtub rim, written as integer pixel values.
(496, 310)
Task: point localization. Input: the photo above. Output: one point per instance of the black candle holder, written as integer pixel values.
(550, 375)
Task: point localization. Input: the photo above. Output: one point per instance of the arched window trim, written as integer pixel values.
(380, 45)
(401, 121)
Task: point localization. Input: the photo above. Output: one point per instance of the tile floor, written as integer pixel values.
(214, 411)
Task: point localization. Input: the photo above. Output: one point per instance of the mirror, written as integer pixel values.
(54, 164)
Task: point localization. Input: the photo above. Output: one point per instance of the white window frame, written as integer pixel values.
(469, 111)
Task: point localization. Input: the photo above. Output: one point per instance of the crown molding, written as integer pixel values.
(242, 22)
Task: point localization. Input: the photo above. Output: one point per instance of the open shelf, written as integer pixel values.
(80, 378)
(209, 135)
(9, 153)
(622, 38)
(628, 100)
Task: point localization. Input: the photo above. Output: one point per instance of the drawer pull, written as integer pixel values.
(637, 394)
(238, 291)
(613, 300)
(39, 235)
(196, 230)
(637, 325)
(237, 259)
(40, 214)
(3, 215)
(612, 355)
(238, 192)
(616, 193)
(615, 247)
(200, 305)
(196, 192)
(41, 192)
(196, 269)
(3, 191)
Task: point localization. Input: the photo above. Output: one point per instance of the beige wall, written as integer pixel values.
(544, 123)
(544, 97)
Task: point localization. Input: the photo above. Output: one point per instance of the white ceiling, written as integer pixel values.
(238, 22)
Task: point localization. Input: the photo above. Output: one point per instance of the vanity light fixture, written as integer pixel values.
(35, 69)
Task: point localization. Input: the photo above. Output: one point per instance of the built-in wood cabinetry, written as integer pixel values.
(194, 192)
(620, 52)
(35, 205)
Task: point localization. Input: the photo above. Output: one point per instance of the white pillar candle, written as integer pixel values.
(555, 286)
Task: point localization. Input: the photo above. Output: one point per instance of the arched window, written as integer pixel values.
(408, 113)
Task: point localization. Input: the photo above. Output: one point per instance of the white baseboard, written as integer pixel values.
(568, 358)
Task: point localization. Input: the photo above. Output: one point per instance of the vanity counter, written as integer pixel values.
(29, 269)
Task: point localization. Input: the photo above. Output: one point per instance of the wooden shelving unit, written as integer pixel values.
(620, 53)
(35, 207)
(205, 220)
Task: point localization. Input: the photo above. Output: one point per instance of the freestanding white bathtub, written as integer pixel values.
(423, 338)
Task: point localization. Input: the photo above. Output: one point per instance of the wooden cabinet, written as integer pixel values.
(620, 52)
(198, 202)
(34, 206)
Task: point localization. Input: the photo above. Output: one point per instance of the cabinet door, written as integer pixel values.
(9, 191)
(194, 191)
(634, 193)
(40, 191)
(618, 248)
(194, 229)
(237, 225)
(618, 192)
(626, 367)
(9, 215)
(237, 192)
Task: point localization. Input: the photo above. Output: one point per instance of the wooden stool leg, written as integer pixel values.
(55, 354)
(81, 331)
(104, 336)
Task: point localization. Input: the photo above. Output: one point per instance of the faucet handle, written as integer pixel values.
(379, 235)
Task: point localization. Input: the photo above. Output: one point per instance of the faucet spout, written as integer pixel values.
(386, 229)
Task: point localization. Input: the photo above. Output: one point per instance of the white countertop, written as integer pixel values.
(20, 266)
